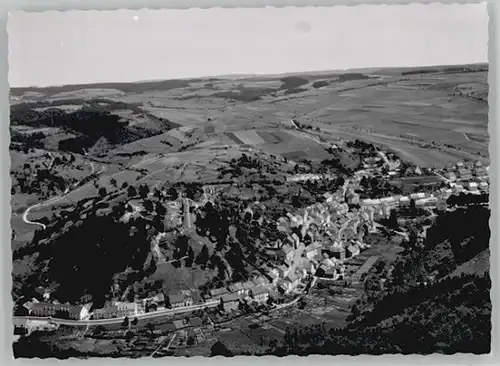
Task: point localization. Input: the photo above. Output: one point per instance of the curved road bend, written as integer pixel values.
(27, 221)
(54, 199)
(25, 215)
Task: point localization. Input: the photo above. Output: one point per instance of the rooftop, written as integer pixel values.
(125, 305)
(236, 286)
(218, 291)
(176, 297)
(56, 307)
(196, 322)
(230, 297)
(179, 324)
(106, 310)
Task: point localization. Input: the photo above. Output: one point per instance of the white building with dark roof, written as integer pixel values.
(404, 201)
(74, 312)
(483, 186)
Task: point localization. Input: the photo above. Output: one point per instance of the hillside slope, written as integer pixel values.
(436, 301)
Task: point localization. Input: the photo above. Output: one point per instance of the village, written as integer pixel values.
(322, 240)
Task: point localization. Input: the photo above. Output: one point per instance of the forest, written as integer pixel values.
(95, 120)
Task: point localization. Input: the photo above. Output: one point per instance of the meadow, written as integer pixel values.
(427, 116)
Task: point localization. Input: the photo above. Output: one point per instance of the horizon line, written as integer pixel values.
(249, 75)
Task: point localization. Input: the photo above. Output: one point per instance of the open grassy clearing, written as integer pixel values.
(163, 143)
(425, 157)
(479, 264)
(183, 116)
(422, 110)
(304, 147)
(181, 278)
(23, 232)
(249, 137)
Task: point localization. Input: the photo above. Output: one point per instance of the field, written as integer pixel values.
(184, 130)
(428, 118)
(398, 109)
(181, 278)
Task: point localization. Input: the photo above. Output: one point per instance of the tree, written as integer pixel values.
(413, 206)
(135, 321)
(172, 194)
(158, 224)
(119, 210)
(99, 330)
(143, 190)
(113, 182)
(129, 335)
(125, 322)
(393, 220)
(190, 257)
(203, 257)
(220, 349)
(221, 305)
(102, 192)
(157, 193)
(148, 205)
(131, 191)
(150, 327)
(190, 341)
(160, 209)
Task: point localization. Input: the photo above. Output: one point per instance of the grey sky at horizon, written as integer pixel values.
(80, 47)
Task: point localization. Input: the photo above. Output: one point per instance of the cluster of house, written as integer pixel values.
(231, 297)
(461, 171)
(330, 233)
(316, 259)
(375, 162)
(118, 309)
(372, 162)
(253, 291)
(329, 246)
(383, 206)
(470, 187)
(309, 176)
(179, 212)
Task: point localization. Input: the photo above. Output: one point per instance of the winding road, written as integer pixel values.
(26, 213)
(55, 199)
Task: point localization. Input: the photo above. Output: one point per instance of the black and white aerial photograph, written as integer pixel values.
(250, 181)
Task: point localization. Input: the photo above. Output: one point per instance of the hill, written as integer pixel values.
(452, 316)
(100, 248)
(80, 125)
(382, 106)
